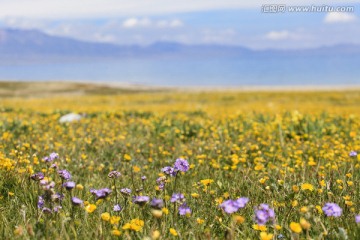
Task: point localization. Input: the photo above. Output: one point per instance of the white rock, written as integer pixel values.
(71, 117)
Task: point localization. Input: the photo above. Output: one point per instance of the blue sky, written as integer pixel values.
(229, 22)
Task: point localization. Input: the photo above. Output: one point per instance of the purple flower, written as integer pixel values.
(353, 154)
(184, 209)
(357, 218)
(64, 174)
(53, 156)
(181, 165)
(231, 206)
(48, 186)
(161, 186)
(37, 176)
(54, 166)
(76, 201)
(143, 178)
(141, 200)
(69, 185)
(125, 191)
(117, 208)
(57, 208)
(41, 202)
(114, 174)
(157, 203)
(161, 179)
(332, 210)
(241, 202)
(101, 193)
(169, 171)
(177, 197)
(264, 214)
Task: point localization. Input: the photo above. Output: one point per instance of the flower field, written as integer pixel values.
(181, 165)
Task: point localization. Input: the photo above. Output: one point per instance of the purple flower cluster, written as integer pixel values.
(76, 201)
(180, 165)
(161, 182)
(231, 206)
(114, 174)
(332, 210)
(117, 208)
(353, 154)
(69, 185)
(64, 174)
(101, 193)
(51, 157)
(141, 200)
(157, 203)
(37, 176)
(263, 214)
(357, 218)
(177, 197)
(41, 206)
(184, 209)
(169, 171)
(125, 191)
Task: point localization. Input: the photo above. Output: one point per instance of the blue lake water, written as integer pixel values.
(197, 72)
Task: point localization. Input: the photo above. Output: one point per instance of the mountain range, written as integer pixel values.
(18, 45)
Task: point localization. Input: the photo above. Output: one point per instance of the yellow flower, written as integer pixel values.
(173, 232)
(304, 209)
(307, 186)
(294, 203)
(11, 194)
(319, 209)
(136, 169)
(200, 221)
(295, 227)
(127, 157)
(114, 219)
(238, 219)
(90, 208)
(266, 236)
(278, 227)
(165, 211)
(79, 187)
(105, 216)
(295, 188)
(305, 224)
(260, 227)
(195, 195)
(135, 225)
(206, 182)
(116, 232)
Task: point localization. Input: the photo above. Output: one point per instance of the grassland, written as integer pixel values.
(293, 150)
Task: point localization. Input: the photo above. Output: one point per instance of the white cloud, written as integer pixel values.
(169, 23)
(278, 35)
(135, 22)
(146, 22)
(339, 17)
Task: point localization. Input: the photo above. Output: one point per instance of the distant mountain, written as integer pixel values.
(32, 45)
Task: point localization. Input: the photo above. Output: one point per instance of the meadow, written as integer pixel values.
(172, 164)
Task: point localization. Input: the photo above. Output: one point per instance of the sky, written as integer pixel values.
(252, 24)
